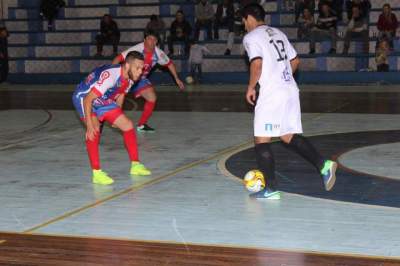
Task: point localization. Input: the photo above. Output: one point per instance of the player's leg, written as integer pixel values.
(303, 147)
(92, 147)
(150, 97)
(118, 119)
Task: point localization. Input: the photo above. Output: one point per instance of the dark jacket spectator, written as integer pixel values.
(3, 53)
(300, 5)
(225, 16)
(109, 33)
(387, 22)
(157, 25)
(363, 5)
(49, 10)
(356, 28)
(180, 30)
(305, 24)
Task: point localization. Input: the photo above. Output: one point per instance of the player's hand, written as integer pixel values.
(180, 84)
(251, 95)
(92, 130)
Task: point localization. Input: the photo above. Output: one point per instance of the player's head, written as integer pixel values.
(150, 39)
(134, 64)
(253, 15)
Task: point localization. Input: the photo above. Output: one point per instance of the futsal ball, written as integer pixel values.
(189, 80)
(254, 181)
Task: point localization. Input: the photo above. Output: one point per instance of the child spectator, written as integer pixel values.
(197, 53)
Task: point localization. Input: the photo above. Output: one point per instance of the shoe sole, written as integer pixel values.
(104, 184)
(275, 196)
(332, 180)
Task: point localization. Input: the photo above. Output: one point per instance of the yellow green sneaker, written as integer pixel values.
(139, 169)
(101, 178)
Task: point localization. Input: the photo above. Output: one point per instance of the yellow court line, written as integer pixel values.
(134, 188)
(293, 250)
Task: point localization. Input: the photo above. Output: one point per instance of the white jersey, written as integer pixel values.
(275, 50)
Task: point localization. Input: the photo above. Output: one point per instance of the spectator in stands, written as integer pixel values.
(381, 55)
(204, 18)
(180, 31)
(363, 5)
(195, 61)
(238, 26)
(49, 10)
(109, 33)
(387, 24)
(156, 24)
(305, 24)
(357, 28)
(324, 28)
(300, 5)
(225, 17)
(3, 52)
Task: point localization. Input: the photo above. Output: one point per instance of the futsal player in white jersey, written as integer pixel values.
(273, 61)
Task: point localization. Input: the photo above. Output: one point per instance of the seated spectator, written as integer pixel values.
(387, 24)
(300, 5)
(305, 24)
(109, 33)
(363, 5)
(357, 28)
(3, 52)
(157, 25)
(204, 18)
(324, 28)
(225, 17)
(195, 61)
(238, 26)
(381, 55)
(180, 31)
(49, 10)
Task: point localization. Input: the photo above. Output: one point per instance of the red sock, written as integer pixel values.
(92, 147)
(147, 111)
(131, 144)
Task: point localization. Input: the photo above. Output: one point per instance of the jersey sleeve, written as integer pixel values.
(105, 81)
(163, 59)
(253, 48)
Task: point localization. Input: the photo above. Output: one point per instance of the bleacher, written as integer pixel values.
(67, 53)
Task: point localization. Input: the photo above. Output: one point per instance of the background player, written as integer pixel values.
(152, 56)
(99, 98)
(273, 61)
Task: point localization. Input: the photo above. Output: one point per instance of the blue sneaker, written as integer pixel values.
(267, 193)
(328, 174)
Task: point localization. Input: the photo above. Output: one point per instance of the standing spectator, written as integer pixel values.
(180, 31)
(3, 52)
(387, 24)
(156, 24)
(197, 52)
(238, 26)
(225, 17)
(363, 5)
(300, 5)
(381, 56)
(325, 27)
(109, 33)
(204, 17)
(49, 10)
(305, 24)
(356, 28)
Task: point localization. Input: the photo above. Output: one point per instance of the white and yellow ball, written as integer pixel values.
(254, 181)
(189, 80)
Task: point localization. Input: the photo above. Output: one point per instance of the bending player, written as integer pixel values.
(99, 98)
(152, 56)
(273, 61)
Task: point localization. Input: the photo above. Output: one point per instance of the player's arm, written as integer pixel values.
(120, 100)
(294, 63)
(172, 69)
(92, 125)
(255, 74)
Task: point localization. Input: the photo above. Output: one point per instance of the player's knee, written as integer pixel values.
(261, 140)
(287, 138)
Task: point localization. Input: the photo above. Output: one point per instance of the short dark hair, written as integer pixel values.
(387, 5)
(180, 11)
(133, 55)
(254, 10)
(150, 32)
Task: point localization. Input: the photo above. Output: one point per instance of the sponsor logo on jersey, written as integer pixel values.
(104, 75)
(272, 127)
(89, 78)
